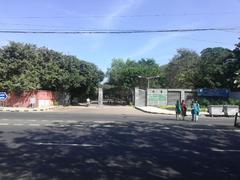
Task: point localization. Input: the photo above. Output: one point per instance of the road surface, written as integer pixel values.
(77, 143)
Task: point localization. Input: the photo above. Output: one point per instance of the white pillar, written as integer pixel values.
(100, 96)
(182, 95)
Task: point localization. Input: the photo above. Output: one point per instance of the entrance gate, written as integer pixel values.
(140, 97)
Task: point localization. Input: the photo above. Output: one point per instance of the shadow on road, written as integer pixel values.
(135, 150)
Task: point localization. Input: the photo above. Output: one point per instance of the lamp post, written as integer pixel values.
(148, 79)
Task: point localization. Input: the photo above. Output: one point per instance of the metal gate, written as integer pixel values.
(173, 96)
(140, 97)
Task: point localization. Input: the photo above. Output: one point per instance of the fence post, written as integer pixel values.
(235, 122)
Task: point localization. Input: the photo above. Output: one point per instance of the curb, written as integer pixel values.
(3, 109)
(165, 113)
(150, 112)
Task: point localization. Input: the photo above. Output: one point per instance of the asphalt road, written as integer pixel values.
(123, 145)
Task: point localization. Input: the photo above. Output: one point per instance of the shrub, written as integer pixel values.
(204, 102)
(232, 101)
(55, 103)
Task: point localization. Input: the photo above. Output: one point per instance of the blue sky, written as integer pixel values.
(100, 49)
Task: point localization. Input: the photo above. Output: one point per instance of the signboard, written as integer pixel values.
(3, 96)
(156, 97)
(213, 92)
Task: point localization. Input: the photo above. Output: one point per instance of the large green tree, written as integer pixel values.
(126, 75)
(180, 71)
(19, 70)
(25, 67)
(214, 70)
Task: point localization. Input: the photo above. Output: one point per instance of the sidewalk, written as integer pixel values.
(23, 109)
(155, 110)
(102, 109)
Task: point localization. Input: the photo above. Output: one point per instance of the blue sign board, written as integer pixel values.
(3, 96)
(213, 92)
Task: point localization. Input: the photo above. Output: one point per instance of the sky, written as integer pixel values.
(100, 49)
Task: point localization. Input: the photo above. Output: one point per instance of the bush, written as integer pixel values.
(232, 101)
(204, 102)
(55, 103)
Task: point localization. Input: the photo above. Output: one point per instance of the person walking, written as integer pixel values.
(196, 111)
(178, 109)
(184, 109)
(88, 102)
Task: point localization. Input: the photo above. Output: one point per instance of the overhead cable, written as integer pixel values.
(114, 31)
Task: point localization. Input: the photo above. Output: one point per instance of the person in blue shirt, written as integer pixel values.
(195, 111)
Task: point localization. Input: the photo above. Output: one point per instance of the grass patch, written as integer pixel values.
(168, 107)
(172, 108)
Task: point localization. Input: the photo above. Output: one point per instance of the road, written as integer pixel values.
(112, 143)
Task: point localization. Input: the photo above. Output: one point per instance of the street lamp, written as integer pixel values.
(148, 79)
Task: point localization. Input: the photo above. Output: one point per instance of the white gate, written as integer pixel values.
(140, 97)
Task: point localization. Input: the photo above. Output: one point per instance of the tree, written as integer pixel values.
(125, 75)
(235, 69)
(17, 71)
(213, 72)
(180, 71)
(25, 67)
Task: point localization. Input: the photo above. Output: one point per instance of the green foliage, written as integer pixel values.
(212, 71)
(180, 71)
(206, 102)
(232, 101)
(169, 107)
(130, 74)
(235, 66)
(25, 67)
(216, 68)
(126, 74)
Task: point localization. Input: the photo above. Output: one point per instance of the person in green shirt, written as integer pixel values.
(178, 109)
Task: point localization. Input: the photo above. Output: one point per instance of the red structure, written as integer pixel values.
(40, 98)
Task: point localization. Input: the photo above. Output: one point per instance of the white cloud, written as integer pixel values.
(119, 10)
(154, 42)
(161, 39)
(111, 19)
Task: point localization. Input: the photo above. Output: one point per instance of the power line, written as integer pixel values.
(123, 16)
(57, 28)
(235, 29)
(114, 31)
